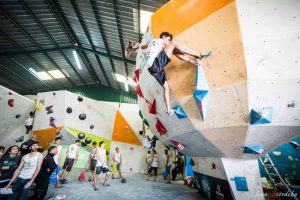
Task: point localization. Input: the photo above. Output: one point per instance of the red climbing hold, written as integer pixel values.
(139, 91)
(152, 107)
(10, 102)
(160, 127)
(179, 146)
(10, 93)
(137, 74)
(131, 148)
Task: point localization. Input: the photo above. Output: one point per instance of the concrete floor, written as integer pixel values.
(136, 187)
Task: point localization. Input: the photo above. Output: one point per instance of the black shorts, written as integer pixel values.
(93, 165)
(29, 128)
(101, 169)
(153, 168)
(157, 68)
(68, 164)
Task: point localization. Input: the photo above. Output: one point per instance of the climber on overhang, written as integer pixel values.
(158, 54)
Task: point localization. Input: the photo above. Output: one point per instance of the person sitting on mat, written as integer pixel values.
(158, 54)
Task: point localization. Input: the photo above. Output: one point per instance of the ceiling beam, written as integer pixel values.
(88, 36)
(66, 48)
(50, 38)
(102, 33)
(35, 43)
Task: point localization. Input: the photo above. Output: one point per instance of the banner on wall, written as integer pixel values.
(213, 188)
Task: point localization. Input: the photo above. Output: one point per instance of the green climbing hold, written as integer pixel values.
(290, 158)
(18, 116)
(141, 115)
(145, 122)
(20, 139)
(192, 162)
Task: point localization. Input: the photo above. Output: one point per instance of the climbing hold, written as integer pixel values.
(178, 145)
(82, 116)
(52, 122)
(80, 99)
(54, 93)
(91, 126)
(69, 110)
(39, 106)
(152, 106)
(83, 144)
(42, 101)
(146, 122)
(139, 91)
(240, 183)
(179, 111)
(295, 144)
(201, 99)
(88, 140)
(52, 119)
(137, 74)
(20, 139)
(160, 127)
(131, 148)
(192, 162)
(81, 136)
(10, 93)
(276, 153)
(261, 115)
(10, 102)
(290, 158)
(49, 109)
(18, 116)
(140, 114)
(253, 149)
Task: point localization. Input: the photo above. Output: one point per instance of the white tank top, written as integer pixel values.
(59, 149)
(94, 151)
(72, 151)
(154, 48)
(118, 157)
(155, 161)
(101, 154)
(30, 164)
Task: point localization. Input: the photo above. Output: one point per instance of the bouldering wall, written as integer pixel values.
(286, 159)
(79, 117)
(14, 109)
(241, 102)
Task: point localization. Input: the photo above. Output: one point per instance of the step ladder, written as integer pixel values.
(272, 173)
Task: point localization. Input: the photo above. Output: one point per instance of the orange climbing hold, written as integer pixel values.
(122, 131)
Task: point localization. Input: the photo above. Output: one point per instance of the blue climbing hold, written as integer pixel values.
(261, 115)
(179, 112)
(201, 101)
(254, 149)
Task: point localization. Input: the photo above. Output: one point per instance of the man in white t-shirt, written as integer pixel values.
(101, 165)
(117, 162)
(154, 164)
(71, 158)
(158, 54)
(26, 173)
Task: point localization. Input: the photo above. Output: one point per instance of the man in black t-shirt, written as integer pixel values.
(47, 168)
(25, 147)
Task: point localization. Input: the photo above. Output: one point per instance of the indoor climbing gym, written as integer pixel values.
(150, 99)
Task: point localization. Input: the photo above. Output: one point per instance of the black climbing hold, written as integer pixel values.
(54, 93)
(69, 110)
(91, 126)
(83, 144)
(80, 99)
(88, 140)
(123, 180)
(82, 116)
(81, 136)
